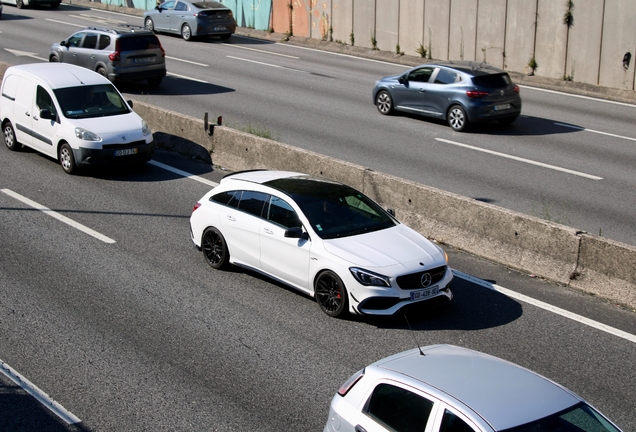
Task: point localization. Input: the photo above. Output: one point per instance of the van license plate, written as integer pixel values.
(126, 152)
(422, 294)
(502, 107)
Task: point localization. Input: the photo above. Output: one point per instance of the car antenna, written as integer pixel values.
(414, 338)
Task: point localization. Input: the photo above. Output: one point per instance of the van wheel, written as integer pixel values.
(9, 137)
(65, 155)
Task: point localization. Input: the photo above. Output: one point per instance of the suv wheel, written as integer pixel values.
(102, 72)
(186, 32)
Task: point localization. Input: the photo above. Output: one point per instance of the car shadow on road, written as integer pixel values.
(523, 126)
(472, 308)
(174, 86)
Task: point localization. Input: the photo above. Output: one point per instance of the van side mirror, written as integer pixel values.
(47, 115)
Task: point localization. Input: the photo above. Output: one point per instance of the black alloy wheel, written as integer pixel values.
(214, 248)
(331, 294)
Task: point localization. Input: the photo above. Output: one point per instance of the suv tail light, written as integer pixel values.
(474, 94)
(163, 52)
(114, 56)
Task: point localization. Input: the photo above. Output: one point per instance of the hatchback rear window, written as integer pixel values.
(492, 80)
(138, 43)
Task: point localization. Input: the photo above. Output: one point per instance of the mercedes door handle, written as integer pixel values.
(231, 218)
(268, 231)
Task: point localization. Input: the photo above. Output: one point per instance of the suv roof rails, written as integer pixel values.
(118, 29)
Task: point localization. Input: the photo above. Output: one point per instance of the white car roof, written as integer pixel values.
(60, 75)
(261, 176)
(502, 393)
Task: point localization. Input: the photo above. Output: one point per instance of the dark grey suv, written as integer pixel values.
(124, 53)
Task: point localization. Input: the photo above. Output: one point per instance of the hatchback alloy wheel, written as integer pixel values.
(457, 118)
(384, 102)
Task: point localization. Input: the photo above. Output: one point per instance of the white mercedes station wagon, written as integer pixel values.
(321, 237)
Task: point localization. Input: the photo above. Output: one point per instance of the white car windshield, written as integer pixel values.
(579, 418)
(334, 210)
(90, 101)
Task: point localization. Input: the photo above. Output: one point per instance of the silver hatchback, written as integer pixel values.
(460, 92)
(124, 53)
(444, 388)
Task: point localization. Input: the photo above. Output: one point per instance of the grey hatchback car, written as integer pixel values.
(123, 53)
(445, 388)
(191, 19)
(460, 92)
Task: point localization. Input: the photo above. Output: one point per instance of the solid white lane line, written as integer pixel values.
(546, 306)
(578, 96)
(58, 216)
(261, 51)
(266, 64)
(594, 131)
(187, 61)
(38, 394)
(67, 23)
(528, 161)
(186, 77)
(183, 173)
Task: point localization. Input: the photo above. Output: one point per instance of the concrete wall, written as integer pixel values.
(506, 33)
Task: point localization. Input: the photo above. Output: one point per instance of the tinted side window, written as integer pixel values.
(90, 41)
(421, 74)
(230, 198)
(492, 80)
(104, 41)
(75, 40)
(43, 100)
(446, 76)
(253, 202)
(398, 409)
(452, 423)
(138, 43)
(181, 7)
(281, 213)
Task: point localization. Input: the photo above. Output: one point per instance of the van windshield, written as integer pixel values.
(90, 101)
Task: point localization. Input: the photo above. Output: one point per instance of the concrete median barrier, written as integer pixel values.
(555, 252)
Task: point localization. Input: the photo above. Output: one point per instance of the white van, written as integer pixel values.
(71, 114)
